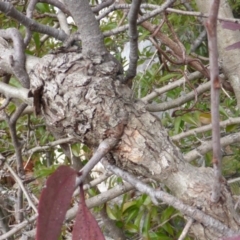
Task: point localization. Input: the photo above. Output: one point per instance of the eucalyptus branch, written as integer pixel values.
(158, 91)
(91, 36)
(9, 10)
(179, 101)
(205, 128)
(211, 26)
(17, 61)
(208, 145)
(133, 36)
(174, 202)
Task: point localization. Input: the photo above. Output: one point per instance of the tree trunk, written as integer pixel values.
(82, 98)
(229, 58)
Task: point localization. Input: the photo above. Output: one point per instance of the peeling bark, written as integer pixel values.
(83, 98)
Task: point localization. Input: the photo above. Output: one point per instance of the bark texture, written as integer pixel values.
(229, 58)
(83, 98)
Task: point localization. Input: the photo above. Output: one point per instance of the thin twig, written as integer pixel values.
(19, 182)
(186, 229)
(205, 128)
(207, 146)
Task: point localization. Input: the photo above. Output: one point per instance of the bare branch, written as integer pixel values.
(179, 101)
(205, 128)
(13, 92)
(207, 146)
(211, 26)
(104, 147)
(9, 10)
(158, 91)
(133, 36)
(19, 182)
(29, 13)
(17, 61)
(174, 202)
(142, 19)
(102, 5)
(186, 229)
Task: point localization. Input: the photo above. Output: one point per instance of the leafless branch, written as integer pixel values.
(133, 36)
(169, 10)
(104, 147)
(179, 101)
(17, 61)
(172, 201)
(50, 145)
(158, 91)
(205, 128)
(9, 10)
(102, 5)
(142, 19)
(186, 229)
(207, 146)
(20, 183)
(13, 92)
(211, 26)
(29, 13)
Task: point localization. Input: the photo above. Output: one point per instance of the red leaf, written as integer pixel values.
(86, 227)
(54, 202)
(230, 25)
(233, 46)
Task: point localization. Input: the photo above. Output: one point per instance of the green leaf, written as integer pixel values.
(111, 213)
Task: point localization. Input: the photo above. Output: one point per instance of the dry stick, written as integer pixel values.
(179, 101)
(174, 202)
(104, 147)
(205, 128)
(133, 36)
(19, 182)
(211, 26)
(186, 229)
(207, 146)
(158, 91)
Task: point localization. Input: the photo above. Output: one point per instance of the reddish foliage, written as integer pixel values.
(86, 227)
(233, 46)
(232, 238)
(231, 25)
(54, 202)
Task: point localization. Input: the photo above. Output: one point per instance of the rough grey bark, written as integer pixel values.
(82, 97)
(230, 59)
